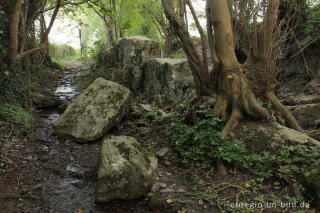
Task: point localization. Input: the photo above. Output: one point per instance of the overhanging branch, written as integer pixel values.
(64, 4)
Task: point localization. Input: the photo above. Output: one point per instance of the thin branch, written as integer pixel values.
(64, 4)
(199, 71)
(29, 52)
(201, 32)
(302, 49)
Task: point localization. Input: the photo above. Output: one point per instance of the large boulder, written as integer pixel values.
(163, 75)
(122, 62)
(308, 116)
(126, 170)
(93, 113)
(261, 136)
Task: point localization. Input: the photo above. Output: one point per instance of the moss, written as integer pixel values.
(79, 185)
(124, 150)
(156, 202)
(18, 196)
(58, 169)
(62, 107)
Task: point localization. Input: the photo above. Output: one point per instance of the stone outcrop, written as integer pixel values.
(261, 136)
(122, 62)
(163, 75)
(134, 62)
(93, 113)
(126, 170)
(308, 116)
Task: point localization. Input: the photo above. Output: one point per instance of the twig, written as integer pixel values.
(304, 48)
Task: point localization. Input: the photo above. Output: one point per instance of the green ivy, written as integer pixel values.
(15, 113)
(200, 145)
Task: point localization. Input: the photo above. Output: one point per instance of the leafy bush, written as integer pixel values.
(15, 113)
(12, 84)
(200, 145)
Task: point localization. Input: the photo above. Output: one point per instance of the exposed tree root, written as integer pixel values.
(235, 118)
(290, 120)
(189, 115)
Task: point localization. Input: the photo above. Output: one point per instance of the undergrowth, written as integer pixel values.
(15, 113)
(200, 145)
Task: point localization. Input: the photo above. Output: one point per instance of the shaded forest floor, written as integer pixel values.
(43, 173)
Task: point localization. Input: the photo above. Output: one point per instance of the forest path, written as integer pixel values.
(54, 174)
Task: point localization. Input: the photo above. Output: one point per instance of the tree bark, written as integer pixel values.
(199, 71)
(13, 32)
(236, 88)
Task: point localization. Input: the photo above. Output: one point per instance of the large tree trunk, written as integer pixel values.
(236, 86)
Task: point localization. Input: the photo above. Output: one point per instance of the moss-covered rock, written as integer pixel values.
(122, 62)
(126, 170)
(307, 115)
(163, 75)
(93, 113)
(45, 99)
(261, 136)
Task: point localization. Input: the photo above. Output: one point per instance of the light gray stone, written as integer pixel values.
(93, 113)
(122, 62)
(307, 115)
(126, 170)
(163, 75)
(261, 136)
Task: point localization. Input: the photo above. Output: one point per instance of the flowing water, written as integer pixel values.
(69, 173)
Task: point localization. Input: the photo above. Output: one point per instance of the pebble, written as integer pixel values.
(157, 186)
(167, 163)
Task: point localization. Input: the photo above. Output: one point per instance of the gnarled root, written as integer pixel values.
(190, 115)
(291, 121)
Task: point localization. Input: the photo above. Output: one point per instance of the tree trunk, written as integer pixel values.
(236, 88)
(13, 32)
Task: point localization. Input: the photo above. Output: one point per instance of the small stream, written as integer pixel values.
(69, 168)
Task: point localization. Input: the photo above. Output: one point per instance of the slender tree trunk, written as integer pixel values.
(13, 32)
(23, 28)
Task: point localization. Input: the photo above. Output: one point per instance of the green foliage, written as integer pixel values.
(61, 51)
(200, 145)
(15, 113)
(311, 24)
(268, 105)
(162, 100)
(203, 143)
(12, 85)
